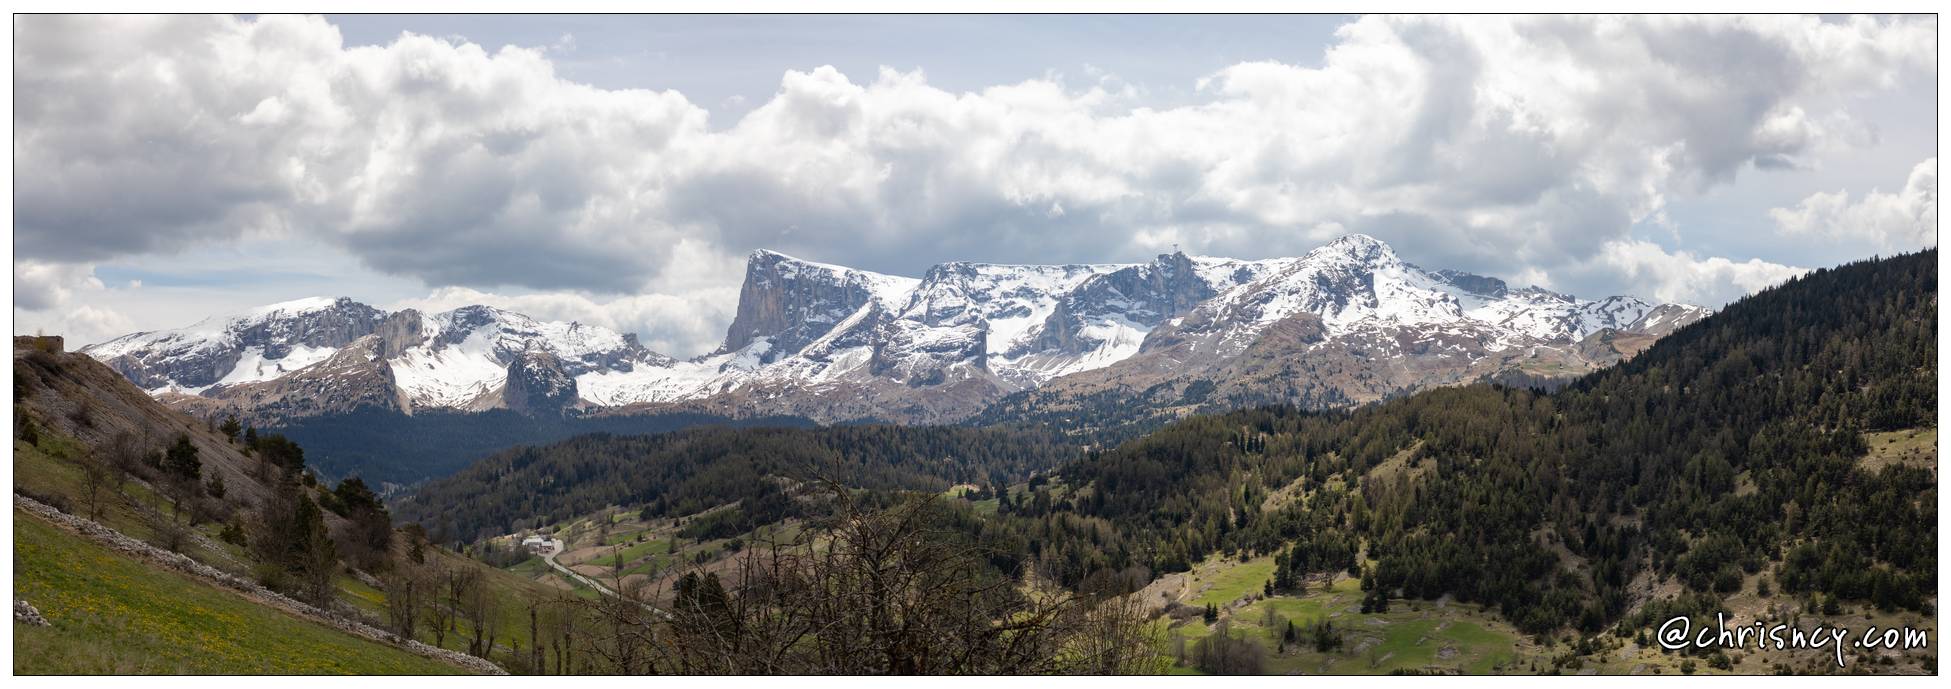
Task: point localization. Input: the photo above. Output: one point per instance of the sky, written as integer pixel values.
(617, 170)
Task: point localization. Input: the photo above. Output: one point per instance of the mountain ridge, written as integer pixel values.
(834, 343)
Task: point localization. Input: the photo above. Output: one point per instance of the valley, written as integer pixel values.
(689, 343)
(1578, 541)
(1733, 466)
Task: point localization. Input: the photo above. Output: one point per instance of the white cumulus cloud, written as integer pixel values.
(1507, 145)
(51, 298)
(1681, 276)
(1901, 220)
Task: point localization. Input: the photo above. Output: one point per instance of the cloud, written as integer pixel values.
(87, 324)
(1683, 277)
(1903, 220)
(40, 286)
(678, 325)
(47, 299)
(425, 157)
(685, 317)
(1511, 145)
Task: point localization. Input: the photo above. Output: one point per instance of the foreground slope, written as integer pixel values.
(111, 614)
(143, 569)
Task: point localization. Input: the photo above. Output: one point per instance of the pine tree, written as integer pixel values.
(313, 555)
(181, 460)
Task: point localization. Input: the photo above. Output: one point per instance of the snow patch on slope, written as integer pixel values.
(253, 366)
(450, 376)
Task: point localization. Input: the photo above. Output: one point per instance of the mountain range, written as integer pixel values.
(1348, 322)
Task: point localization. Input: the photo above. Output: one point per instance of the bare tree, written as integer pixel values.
(1224, 653)
(567, 628)
(99, 481)
(625, 631)
(535, 635)
(478, 605)
(440, 611)
(124, 453)
(1116, 638)
(170, 534)
(891, 591)
(406, 589)
(864, 591)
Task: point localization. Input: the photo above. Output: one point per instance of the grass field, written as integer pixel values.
(633, 552)
(1233, 582)
(652, 554)
(360, 595)
(1418, 636)
(113, 615)
(49, 469)
(1915, 447)
(529, 568)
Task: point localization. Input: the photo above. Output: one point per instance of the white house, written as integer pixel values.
(539, 542)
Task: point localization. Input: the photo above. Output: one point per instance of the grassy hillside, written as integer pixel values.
(49, 471)
(116, 613)
(1437, 638)
(510, 596)
(111, 614)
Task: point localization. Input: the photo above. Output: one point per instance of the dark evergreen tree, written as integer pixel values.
(181, 461)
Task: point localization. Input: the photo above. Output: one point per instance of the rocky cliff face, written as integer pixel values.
(785, 303)
(1346, 323)
(401, 331)
(1139, 296)
(1108, 316)
(538, 384)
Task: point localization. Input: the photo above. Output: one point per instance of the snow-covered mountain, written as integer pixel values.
(261, 344)
(1358, 285)
(1351, 322)
(835, 343)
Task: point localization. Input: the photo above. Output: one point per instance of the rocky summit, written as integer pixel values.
(1346, 323)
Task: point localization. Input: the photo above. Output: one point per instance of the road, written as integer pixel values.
(548, 556)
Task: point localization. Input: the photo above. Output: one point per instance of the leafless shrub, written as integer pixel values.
(888, 591)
